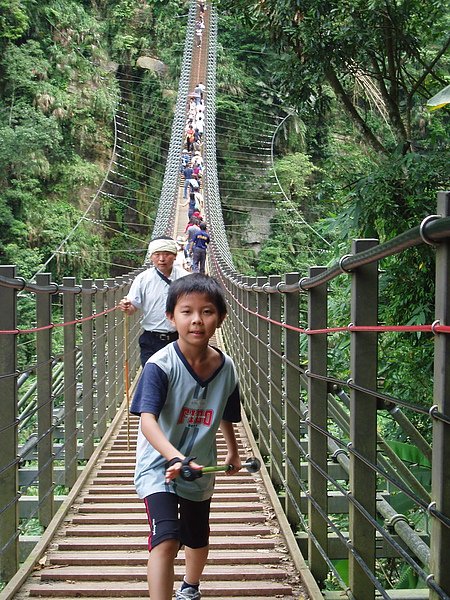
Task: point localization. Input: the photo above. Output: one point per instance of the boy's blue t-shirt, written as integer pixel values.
(189, 412)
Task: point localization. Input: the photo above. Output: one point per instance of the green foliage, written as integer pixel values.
(294, 172)
(25, 67)
(13, 20)
(375, 59)
(28, 143)
(409, 454)
(290, 247)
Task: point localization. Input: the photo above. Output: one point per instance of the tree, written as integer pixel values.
(13, 20)
(377, 56)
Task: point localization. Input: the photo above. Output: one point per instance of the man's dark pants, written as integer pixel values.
(150, 343)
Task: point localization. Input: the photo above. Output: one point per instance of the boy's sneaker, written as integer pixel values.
(188, 593)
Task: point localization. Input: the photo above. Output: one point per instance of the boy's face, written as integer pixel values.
(196, 319)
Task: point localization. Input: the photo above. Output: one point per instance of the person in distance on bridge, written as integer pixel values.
(198, 90)
(202, 89)
(190, 137)
(187, 391)
(187, 174)
(192, 227)
(149, 292)
(182, 259)
(198, 248)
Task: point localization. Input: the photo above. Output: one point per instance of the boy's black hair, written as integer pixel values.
(203, 226)
(196, 283)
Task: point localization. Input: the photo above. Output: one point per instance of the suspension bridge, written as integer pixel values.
(334, 512)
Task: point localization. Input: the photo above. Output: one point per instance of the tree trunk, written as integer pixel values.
(353, 114)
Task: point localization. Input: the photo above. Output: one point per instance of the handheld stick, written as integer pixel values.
(189, 474)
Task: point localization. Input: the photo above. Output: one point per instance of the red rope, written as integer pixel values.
(434, 328)
(53, 325)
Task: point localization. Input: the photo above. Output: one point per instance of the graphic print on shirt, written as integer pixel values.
(193, 417)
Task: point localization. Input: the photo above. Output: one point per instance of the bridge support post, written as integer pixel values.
(9, 478)
(111, 356)
(120, 342)
(253, 373)
(292, 401)
(263, 369)
(230, 324)
(276, 385)
(318, 414)
(363, 422)
(45, 400)
(70, 383)
(87, 331)
(243, 317)
(440, 533)
(100, 353)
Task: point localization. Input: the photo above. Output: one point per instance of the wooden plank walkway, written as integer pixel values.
(101, 549)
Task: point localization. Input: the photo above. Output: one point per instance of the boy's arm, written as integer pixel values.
(156, 437)
(232, 458)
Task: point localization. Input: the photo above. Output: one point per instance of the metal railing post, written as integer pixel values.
(317, 414)
(240, 338)
(100, 353)
(111, 352)
(292, 400)
(263, 369)
(87, 331)
(276, 411)
(70, 383)
(243, 318)
(120, 345)
(230, 323)
(9, 478)
(45, 400)
(252, 359)
(363, 421)
(440, 533)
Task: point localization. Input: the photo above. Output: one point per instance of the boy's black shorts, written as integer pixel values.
(174, 518)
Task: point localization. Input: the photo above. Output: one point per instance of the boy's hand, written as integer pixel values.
(173, 471)
(236, 463)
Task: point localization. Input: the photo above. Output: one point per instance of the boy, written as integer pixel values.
(187, 391)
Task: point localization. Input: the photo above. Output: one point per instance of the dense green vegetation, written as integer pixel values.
(61, 76)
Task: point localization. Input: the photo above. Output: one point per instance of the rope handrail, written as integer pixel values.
(429, 231)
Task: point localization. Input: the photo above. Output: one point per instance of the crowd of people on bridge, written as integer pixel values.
(197, 237)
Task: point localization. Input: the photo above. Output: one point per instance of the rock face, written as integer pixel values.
(152, 64)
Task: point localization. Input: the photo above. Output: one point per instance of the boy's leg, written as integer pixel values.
(195, 563)
(160, 573)
(163, 543)
(194, 529)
